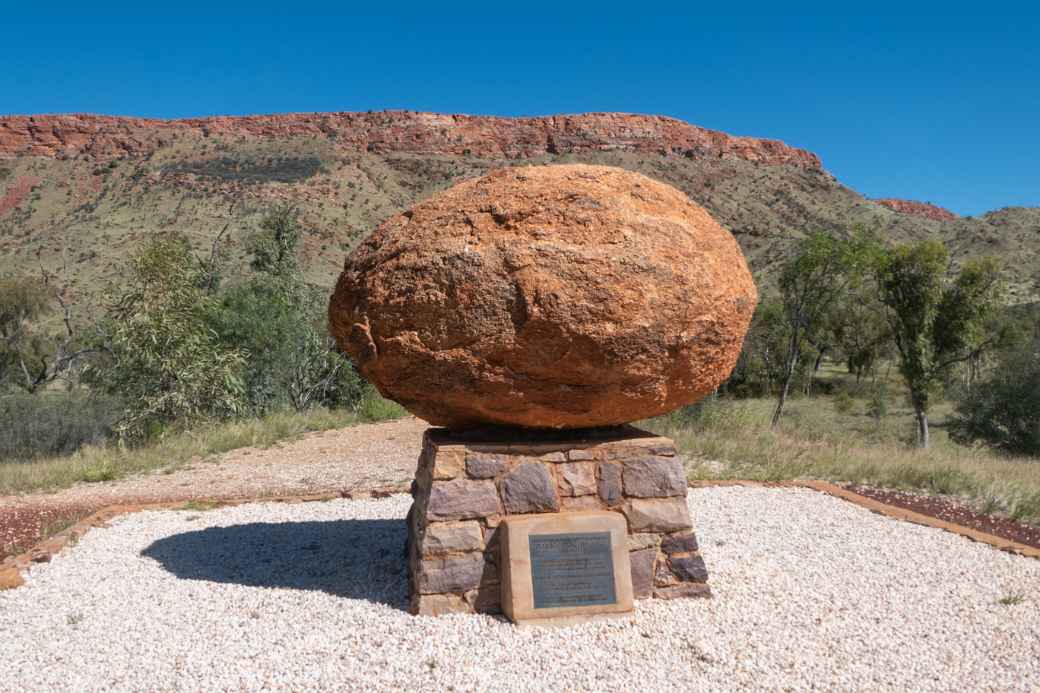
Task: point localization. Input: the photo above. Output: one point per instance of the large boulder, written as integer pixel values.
(546, 297)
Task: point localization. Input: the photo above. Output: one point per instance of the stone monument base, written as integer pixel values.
(466, 484)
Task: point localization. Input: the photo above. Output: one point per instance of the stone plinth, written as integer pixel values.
(466, 484)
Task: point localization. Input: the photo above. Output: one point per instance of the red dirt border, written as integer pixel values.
(906, 515)
(954, 510)
(11, 568)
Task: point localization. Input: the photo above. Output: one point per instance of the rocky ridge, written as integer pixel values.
(108, 137)
(917, 209)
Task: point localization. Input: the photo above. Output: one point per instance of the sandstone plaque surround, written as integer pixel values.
(474, 492)
(565, 565)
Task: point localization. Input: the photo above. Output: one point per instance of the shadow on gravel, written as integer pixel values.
(358, 559)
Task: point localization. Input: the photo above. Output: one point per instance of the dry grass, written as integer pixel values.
(731, 439)
(107, 462)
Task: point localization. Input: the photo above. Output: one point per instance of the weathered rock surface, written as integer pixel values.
(480, 466)
(638, 542)
(688, 568)
(452, 537)
(654, 477)
(680, 542)
(686, 590)
(455, 574)
(17, 190)
(609, 485)
(437, 604)
(529, 488)
(575, 503)
(643, 572)
(450, 464)
(657, 514)
(461, 500)
(546, 297)
(578, 478)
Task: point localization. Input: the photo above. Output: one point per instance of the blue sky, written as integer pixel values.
(907, 100)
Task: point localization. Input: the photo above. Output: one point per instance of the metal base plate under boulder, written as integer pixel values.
(466, 484)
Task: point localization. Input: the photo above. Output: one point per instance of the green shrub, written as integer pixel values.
(290, 359)
(1003, 409)
(843, 402)
(52, 424)
(23, 301)
(877, 406)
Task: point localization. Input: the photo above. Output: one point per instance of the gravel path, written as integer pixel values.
(810, 592)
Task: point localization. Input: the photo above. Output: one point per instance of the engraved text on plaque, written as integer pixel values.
(572, 569)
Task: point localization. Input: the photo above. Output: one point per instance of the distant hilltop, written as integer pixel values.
(82, 194)
(108, 137)
(918, 209)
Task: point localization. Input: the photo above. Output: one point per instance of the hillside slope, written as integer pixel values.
(85, 191)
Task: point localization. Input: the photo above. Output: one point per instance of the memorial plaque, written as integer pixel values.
(560, 567)
(572, 569)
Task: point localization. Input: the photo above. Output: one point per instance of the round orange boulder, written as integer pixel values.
(546, 297)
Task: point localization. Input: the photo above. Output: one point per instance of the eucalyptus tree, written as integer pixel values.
(161, 354)
(821, 271)
(937, 318)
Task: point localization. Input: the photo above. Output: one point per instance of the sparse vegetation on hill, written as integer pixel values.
(89, 211)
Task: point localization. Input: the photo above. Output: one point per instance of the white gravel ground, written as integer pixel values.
(810, 593)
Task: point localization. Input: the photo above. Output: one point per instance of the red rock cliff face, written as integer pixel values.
(918, 209)
(106, 137)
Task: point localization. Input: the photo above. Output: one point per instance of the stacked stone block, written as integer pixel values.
(465, 485)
